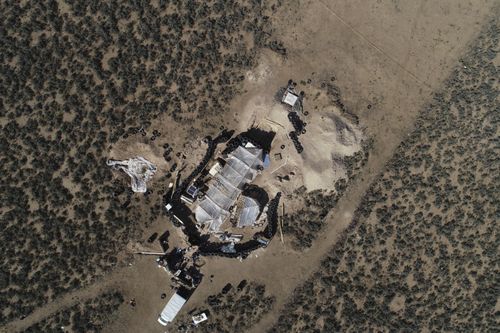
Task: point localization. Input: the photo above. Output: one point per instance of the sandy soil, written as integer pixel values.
(329, 136)
(390, 55)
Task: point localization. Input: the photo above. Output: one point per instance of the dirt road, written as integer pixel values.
(107, 282)
(390, 56)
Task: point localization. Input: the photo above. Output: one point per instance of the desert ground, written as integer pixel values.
(385, 57)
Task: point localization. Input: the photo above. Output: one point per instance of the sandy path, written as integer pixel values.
(337, 222)
(375, 62)
(409, 94)
(67, 300)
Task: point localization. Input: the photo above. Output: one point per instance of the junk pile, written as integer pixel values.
(139, 169)
(181, 266)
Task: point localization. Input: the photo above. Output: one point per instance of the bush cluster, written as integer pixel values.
(422, 253)
(87, 317)
(234, 309)
(76, 77)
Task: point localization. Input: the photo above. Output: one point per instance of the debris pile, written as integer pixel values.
(139, 169)
(180, 264)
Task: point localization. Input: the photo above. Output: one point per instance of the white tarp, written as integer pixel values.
(249, 212)
(170, 310)
(240, 169)
(139, 169)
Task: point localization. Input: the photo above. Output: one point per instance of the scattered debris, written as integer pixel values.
(228, 237)
(228, 248)
(182, 267)
(132, 302)
(139, 169)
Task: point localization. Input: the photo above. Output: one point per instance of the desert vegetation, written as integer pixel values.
(77, 77)
(422, 253)
(90, 316)
(234, 309)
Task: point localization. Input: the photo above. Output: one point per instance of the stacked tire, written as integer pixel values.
(272, 217)
(295, 139)
(297, 123)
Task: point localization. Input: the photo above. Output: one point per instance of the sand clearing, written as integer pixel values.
(328, 140)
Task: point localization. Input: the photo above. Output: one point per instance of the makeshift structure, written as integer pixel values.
(217, 167)
(289, 97)
(241, 167)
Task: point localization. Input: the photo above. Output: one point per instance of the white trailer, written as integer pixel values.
(171, 310)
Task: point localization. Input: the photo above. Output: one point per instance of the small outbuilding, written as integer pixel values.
(289, 98)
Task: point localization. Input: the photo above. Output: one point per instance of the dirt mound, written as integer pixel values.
(328, 140)
(329, 137)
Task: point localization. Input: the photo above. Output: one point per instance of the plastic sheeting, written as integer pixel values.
(139, 169)
(241, 168)
(249, 213)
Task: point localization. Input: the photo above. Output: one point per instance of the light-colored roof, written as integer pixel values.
(200, 318)
(170, 310)
(249, 212)
(240, 169)
(215, 169)
(290, 98)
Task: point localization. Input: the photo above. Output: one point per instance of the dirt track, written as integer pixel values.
(66, 301)
(391, 56)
